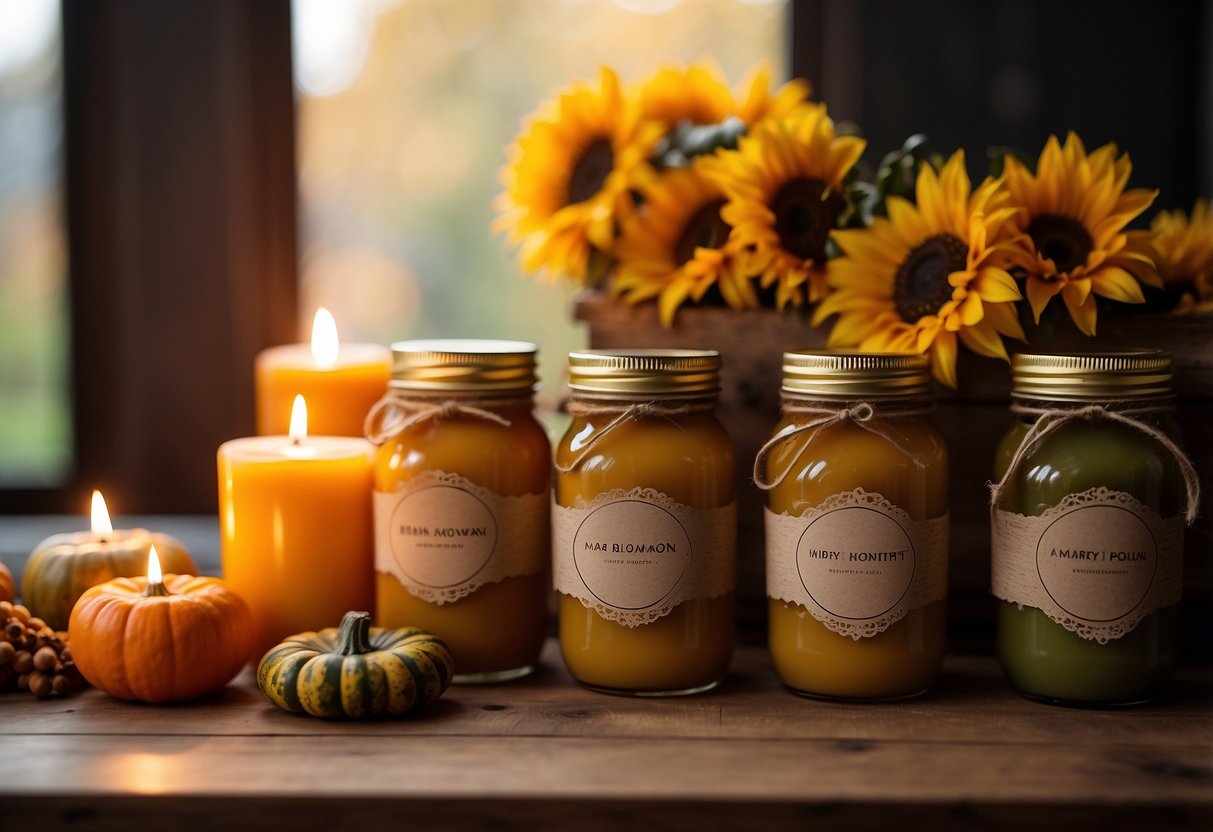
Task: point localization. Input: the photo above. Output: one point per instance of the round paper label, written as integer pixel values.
(631, 554)
(1097, 562)
(442, 536)
(855, 562)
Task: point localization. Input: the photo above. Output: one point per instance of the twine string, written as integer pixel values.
(859, 414)
(1049, 420)
(624, 412)
(394, 414)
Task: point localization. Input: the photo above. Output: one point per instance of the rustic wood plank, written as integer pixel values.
(971, 704)
(372, 764)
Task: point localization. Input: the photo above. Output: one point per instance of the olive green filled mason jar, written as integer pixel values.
(1087, 528)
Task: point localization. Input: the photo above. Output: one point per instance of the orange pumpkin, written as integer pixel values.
(160, 642)
(8, 588)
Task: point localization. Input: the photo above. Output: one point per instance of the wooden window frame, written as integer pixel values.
(180, 193)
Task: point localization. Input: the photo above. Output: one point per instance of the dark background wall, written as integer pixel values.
(972, 74)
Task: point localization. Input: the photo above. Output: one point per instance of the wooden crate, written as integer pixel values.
(973, 420)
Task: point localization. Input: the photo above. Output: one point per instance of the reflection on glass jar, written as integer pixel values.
(856, 527)
(462, 479)
(1087, 528)
(644, 525)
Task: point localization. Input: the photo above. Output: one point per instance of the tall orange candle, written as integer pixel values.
(339, 381)
(295, 528)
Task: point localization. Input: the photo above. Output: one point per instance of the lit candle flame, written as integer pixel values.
(154, 575)
(324, 339)
(101, 516)
(298, 420)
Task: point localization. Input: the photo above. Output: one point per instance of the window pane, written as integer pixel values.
(405, 110)
(35, 413)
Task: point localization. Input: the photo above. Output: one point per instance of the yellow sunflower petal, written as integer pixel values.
(1117, 284)
(983, 339)
(943, 359)
(996, 285)
(1040, 292)
(1082, 311)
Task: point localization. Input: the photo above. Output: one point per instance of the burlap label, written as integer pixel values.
(1097, 563)
(633, 556)
(857, 562)
(443, 537)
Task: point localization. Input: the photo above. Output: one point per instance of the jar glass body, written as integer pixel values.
(498, 630)
(903, 660)
(1040, 658)
(689, 458)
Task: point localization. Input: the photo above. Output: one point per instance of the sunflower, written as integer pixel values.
(784, 185)
(700, 95)
(929, 274)
(1183, 249)
(1071, 217)
(673, 249)
(566, 182)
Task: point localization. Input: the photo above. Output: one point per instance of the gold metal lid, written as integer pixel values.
(463, 365)
(665, 374)
(1091, 376)
(850, 374)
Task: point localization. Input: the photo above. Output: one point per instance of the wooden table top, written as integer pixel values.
(543, 753)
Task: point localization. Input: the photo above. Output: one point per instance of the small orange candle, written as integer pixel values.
(339, 381)
(295, 528)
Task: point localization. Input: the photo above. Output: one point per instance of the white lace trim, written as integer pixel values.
(787, 582)
(521, 546)
(1016, 576)
(710, 571)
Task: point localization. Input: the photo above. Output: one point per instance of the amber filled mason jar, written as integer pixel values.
(644, 524)
(462, 478)
(856, 527)
(1087, 528)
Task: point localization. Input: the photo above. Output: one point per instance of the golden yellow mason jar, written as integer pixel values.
(856, 527)
(462, 478)
(644, 524)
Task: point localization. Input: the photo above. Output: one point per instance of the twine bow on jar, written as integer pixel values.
(859, 414)
(1049, 419)
(393, 414)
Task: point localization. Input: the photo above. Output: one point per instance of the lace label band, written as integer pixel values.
(1097, 563)
(857, 562)
(443, 537)
(633, 556)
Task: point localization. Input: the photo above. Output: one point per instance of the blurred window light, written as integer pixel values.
(405, 108)
(35, 332)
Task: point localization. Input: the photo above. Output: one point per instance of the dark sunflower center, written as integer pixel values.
(591, 170)
(705, 229)
(805, 211)
(1063, 240)
(921, 285)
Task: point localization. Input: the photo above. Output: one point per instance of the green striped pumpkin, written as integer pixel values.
(356, 670)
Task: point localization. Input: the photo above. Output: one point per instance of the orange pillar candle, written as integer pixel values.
(295, 527)
(339, 381)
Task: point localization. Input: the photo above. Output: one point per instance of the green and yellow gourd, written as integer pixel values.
(356, 670)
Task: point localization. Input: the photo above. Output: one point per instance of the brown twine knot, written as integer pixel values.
(393, 415)
(1050, 419)
(858, 414)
